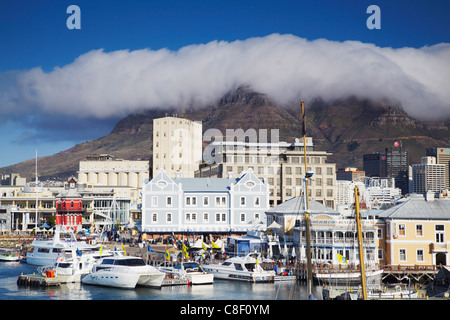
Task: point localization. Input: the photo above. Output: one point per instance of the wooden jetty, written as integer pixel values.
(39, 280)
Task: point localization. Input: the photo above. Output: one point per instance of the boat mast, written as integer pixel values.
(360, 245)
(36, 189)
(307, 218)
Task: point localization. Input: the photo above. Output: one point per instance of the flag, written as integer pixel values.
(123, 249)
(78, 252)
(167, 255)
(149, 249)
(303, 120)
(101, 249)
(185, 253)
(204, 246)
(215, 246)
(341, 258)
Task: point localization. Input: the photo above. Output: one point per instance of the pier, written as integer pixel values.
(39, 280)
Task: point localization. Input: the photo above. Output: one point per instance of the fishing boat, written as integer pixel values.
(124, 272)
(192, 271)
(46, 252)
(9, 255)
(241, 268)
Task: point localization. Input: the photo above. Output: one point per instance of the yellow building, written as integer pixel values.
(416, 232)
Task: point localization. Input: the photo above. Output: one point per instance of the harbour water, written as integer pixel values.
(220, 290)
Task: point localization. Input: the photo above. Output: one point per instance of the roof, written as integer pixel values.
(205, 184)
(416, 207)
(296, 205)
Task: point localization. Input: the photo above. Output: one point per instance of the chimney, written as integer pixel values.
(230, 174)
(178, 174)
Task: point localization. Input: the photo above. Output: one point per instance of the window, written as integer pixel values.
(154, 217)
(221, 201)
(242, 217)
(439, 232)
(205, 201)
(257, 201)
(205, 217)
(242, 201)
(169, 217)
(169, 201)
(401, 230)
(419, 255)
(154, 201)
(191, 201)
(188, 217)
(380, 254)
(379, 233)
(402, 255)
(419, 230)
(221, 217)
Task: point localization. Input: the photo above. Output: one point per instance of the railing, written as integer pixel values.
(414, 268)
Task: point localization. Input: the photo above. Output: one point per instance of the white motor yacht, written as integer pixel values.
(191, 271)
(242, 268)
(124, 272)
(46, 252)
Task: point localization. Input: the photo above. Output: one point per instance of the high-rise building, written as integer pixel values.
(442, 156)
(428, 176)
(177, 146)
(397, 167)
(374, 165)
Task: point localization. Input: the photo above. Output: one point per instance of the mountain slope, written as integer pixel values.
(348, 128)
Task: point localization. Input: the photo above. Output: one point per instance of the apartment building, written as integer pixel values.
(281, 164)
(442, 156)
(177, 146)
(428, 176)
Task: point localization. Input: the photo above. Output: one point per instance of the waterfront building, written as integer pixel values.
(69, 209)
(428, 176)
(417, 232)
(203, 205)
(331, 232)
(281, 164)
(442, 156)
(103, 170)
(177, 146)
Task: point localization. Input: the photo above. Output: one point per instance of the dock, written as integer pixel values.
(39, 280)
(175, 282)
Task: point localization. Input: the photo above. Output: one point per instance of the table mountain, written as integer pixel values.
(348, 128)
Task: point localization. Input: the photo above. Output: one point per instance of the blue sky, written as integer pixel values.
(33, 34)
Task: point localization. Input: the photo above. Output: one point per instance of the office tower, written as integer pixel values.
(374, 165)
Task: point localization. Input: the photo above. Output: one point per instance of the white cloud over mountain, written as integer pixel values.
(288, 68)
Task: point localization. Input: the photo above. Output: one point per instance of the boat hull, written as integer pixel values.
(219, 273)
(348, 278)
(112, 279)
(151, 280)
